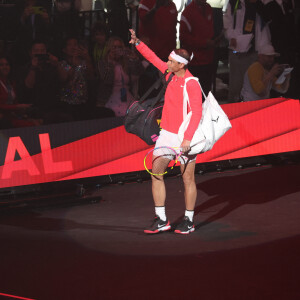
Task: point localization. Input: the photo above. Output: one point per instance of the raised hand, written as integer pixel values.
(276, 70)
(134, 39)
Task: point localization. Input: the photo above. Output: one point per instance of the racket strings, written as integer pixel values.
(160, 160)
(162, 163)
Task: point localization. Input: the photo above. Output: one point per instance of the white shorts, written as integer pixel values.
(169, 139)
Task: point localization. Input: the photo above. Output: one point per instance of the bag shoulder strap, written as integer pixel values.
(162, 91)
(155, 85)
(197, 79)
(186, 100)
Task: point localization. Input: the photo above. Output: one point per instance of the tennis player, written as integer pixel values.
(172, 117)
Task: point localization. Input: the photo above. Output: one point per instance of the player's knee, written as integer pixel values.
(156, 179)
(188, 179)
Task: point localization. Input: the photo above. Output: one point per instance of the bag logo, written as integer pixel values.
(154, 137)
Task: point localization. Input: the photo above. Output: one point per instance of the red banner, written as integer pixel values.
(258, 128)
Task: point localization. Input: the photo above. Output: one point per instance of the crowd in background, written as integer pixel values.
(53, 69)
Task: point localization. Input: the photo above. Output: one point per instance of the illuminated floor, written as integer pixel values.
(246, 245)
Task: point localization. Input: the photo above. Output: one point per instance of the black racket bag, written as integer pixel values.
(143, 117)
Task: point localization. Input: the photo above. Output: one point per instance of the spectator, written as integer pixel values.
(217, 7)
(117, 77)
(10, 13)
(39, 83)
(34, 25)
(7, 87)
(133, 16)
(261, 76)
(157, 22)
(118, 20)
(66, 18)
(97, 50)
(62, 6)
(280, 15)
(78, 70)
(99, 38)
(196, 36)
(12, 113)
(241, 20)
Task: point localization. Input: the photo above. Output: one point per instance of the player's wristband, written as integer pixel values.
(138, 42)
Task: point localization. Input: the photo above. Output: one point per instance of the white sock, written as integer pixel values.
(189, 214)
(161, 212)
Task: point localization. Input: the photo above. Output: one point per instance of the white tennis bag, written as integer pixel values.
(213, 125)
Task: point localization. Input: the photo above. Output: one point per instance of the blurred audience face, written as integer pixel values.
(4, 67)
(39, 48)
(100, 38)
(71, 48)
(115, 49)
(267, 61)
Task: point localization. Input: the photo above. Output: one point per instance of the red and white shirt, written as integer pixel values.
(160, 28)
(172, 115)
(196, 28)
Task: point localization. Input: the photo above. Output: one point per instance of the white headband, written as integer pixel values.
(179, 58)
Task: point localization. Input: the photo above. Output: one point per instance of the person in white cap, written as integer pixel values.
(281, 17)
(262, 75)
(172, 117)
(246, 33)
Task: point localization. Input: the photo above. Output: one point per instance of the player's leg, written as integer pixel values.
(190, 196)
(190, 189)
(160, 222)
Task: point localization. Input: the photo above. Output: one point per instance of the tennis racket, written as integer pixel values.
(159, 161)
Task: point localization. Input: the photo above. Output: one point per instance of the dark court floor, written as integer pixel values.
(246, 245)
